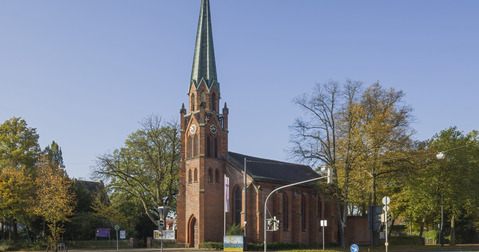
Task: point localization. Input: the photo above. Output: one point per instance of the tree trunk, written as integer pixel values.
(421, 231)
(15, 231)
(340, 224)
(453, 231)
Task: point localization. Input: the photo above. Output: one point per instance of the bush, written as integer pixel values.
(211, 245)
(235, 230)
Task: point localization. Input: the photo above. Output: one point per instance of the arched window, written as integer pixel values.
(238, 201)
(303, 213)
(208, 147)
(196, 175)
(320, 208)
(217, 176)
(285, 212)
(192, 102)
(216, 148)
(190, 146)
(189, 176)
(210, 176)
(195, 145)
(213, 102)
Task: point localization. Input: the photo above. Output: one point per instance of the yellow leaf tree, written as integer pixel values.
(54, 200)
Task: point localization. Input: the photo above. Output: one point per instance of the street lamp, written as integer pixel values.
(441, 156)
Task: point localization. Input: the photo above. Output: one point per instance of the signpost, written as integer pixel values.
(162, 212)
(386, 201)
(324, 223)
(117, 228)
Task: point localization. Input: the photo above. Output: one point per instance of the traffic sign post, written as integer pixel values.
(117, 228)
(324, 223)
(386, 201)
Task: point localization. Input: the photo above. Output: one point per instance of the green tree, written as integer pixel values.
(54, 200)
(53, 153)
(18, 144)
(457, 176)
(146, 168)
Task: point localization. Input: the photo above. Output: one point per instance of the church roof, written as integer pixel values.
(204, 65)
(273, 171)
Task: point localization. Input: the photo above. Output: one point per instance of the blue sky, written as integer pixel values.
(84, 73)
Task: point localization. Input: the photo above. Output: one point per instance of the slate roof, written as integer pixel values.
(273, 171)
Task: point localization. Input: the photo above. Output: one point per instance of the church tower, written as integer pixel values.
(204, 143)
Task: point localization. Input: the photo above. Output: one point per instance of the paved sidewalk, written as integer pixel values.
(143, 250)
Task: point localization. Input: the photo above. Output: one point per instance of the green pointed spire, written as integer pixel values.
(204, 66)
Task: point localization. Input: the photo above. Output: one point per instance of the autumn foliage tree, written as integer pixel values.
(146, 168)
(54, 199)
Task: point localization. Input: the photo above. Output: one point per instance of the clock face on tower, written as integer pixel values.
(193, 129)
(213, 129)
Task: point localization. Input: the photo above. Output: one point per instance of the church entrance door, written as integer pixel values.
(193, 233)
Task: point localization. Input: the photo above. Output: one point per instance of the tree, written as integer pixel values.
(457, 176)
(19, 152)
(54, 200)
(53, 153)
(327, 136)
(385, 134)
(146, 168)
(15, 195)
(353, 132)
(18, 144)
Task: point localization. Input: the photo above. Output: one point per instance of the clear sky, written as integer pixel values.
(84, 73)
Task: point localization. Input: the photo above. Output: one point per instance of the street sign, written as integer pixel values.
(122, 234)
(386, 200)
(354, 248)
(117, 227)
(386, 208)
(324, 223)
(157, 234)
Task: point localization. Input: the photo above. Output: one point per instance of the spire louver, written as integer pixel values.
(204, 66)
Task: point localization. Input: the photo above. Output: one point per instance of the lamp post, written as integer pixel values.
(329, 179)
(441, 156)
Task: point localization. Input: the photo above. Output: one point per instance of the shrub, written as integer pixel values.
(235, 230)
(211, 245)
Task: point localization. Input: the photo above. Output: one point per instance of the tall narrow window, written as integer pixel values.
(192, 102)
(217, 176)
(213, 102)
(303, 213)
(190, 146)
(196, 175)
(208, 147)
(285, 212)
(195, 145)
(238, 205)
(189, 176)
(210, 176)
(216, 147)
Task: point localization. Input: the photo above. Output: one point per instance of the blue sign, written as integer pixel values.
(354, 248)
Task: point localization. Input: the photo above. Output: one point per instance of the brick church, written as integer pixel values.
(206, 159)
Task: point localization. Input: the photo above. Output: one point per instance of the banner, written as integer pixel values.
(227, 194)
(102, 232)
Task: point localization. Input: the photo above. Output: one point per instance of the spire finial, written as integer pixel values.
(204, 65)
